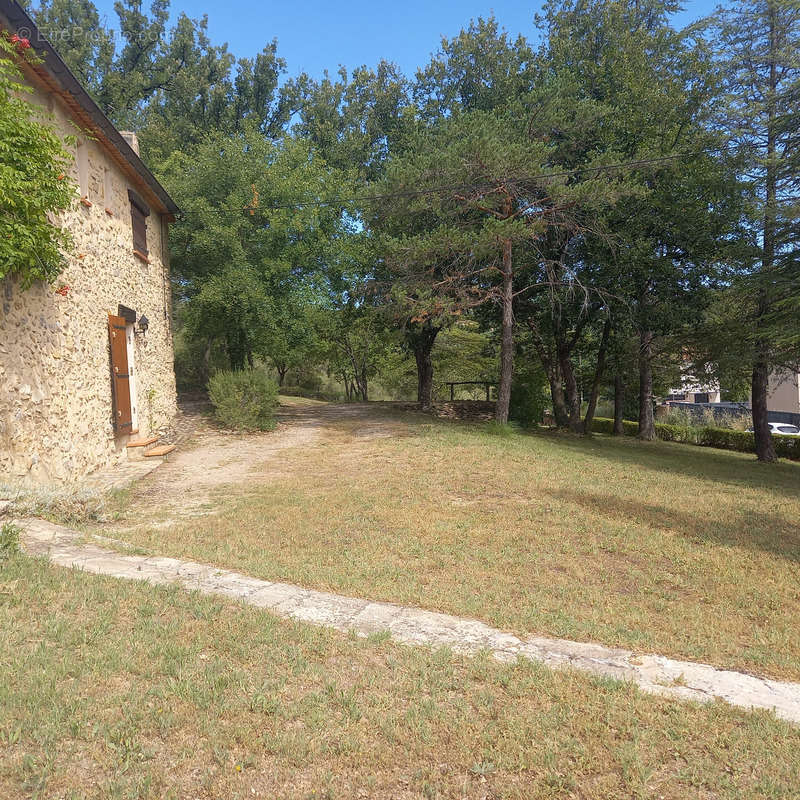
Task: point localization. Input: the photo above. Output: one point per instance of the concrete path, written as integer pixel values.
(655, 674)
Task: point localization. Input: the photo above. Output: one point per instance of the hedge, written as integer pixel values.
(722, 438)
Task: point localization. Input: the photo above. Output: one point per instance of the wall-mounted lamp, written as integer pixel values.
(144, 324)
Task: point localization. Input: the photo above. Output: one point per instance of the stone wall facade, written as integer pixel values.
(55, 380)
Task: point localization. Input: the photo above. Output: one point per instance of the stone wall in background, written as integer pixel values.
(55, 383)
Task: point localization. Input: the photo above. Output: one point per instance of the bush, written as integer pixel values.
(708, 436)
(9, 540)
(787, 446)
(245, 400)
(529, 396)
(603, 425)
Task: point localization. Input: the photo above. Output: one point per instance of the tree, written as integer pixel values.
(33, 179)
(170, 84)
(479, 70)
(357, 119)
(486, 183)
(291, 333)
(759, 48)
(641, 90)
(261, 224)
(74, 28)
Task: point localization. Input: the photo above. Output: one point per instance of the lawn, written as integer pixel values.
(112, 689)
(660, 547)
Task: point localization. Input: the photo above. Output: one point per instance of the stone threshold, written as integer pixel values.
(666, 677)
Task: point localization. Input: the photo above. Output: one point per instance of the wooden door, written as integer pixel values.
(120, 379)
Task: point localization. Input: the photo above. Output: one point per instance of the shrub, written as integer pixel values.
(9, 540)
(786, 446)
(529, 396)
(244, 400)
(603, 425)
(709, 436)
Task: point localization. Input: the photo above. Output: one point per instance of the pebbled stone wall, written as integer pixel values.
(55, 380)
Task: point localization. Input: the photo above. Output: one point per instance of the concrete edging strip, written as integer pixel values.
(685, 680)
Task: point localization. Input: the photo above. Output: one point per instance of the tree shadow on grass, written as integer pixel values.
(685, 460)
(753, 530)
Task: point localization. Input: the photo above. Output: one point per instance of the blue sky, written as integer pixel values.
(319, 34)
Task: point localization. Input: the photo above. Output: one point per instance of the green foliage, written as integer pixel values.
(9, 540)
(463, 352)
(244, 400)
(605, 425)
(707, 436)
(355, 120)
(501, 429)
(249, 274)
(529, 395)
(33, 183)
(478, 70)
(168, 81)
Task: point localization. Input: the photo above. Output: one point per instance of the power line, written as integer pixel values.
(448, 187)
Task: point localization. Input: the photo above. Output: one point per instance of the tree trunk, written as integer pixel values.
(282, 370)
(237, 350)
(424, 378)
(550, 364)
(765, 449)
(598, 377)
(422, 339)
(507, 340)
(619, 405)
(560, 411)
(571, 390)
(205, 369)
(647, 430)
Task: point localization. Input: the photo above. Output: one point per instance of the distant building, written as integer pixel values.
(784, 392)
(694, 390)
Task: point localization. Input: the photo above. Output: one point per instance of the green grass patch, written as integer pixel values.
(115, 689)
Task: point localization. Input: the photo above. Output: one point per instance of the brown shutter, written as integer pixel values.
(120, 380)
(139, 213)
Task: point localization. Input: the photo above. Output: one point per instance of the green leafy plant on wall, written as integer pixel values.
(34, 184)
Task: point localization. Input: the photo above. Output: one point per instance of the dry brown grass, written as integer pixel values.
(668, 548)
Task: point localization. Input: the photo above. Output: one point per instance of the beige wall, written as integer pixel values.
(784, 393)
(55, 385)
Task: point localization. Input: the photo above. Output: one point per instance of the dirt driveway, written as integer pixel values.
(212, 460)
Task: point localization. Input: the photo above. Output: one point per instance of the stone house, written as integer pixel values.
(86, 366)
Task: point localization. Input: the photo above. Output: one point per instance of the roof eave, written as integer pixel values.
(70, 88)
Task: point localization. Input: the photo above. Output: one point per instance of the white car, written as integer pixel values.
(781, 429)
(784, 429)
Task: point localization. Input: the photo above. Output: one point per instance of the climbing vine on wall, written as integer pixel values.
(34, 186)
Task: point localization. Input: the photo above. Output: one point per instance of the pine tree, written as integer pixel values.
(759, 43)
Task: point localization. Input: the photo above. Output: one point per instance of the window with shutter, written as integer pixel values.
(139, 213)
